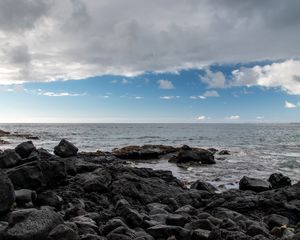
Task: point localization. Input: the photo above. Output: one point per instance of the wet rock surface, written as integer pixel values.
(98, 196)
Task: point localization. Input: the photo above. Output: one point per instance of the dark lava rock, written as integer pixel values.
(176, 220)
(136, 153)
(254, 184)
(63, 232)
(9, 158)
(165, 231)
(7, 194)
(65, 149)
(54, 172)
(25, 197)
(278, 180)
(188, 155)
(92, 237)
(201, 185)
(32, 224)
(224, 152)
(97, 181)
(200, 223)
(27, 176)
(275, 220)
(255, 230)
(48, 198)
(25, 149)
(222, 234)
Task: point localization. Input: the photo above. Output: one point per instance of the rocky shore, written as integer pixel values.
(97, 196)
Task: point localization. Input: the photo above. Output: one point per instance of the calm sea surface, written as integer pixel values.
(257, 149)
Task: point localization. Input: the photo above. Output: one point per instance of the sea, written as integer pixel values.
(257, 150)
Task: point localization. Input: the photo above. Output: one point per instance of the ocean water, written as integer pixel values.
(257, 149)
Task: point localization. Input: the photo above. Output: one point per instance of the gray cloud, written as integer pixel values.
(74, 39)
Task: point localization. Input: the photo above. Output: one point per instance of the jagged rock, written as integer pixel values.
(25, 149)
(92, 237)
(255, 230)
(132, 217)
(254, 184)
(200, 223)
(32, 224)
(48, 198)
(63, 232)
(135, 153)
(54, 172)
(165, 231)
(188, 155)
(25, 197)
(275, 220)
(7, 194)
(9, 158)
(222, 234)
(65, 149)
(177, 220)
(201, 185)
(27, 176)
(278, 180)
(85, 225)
(224, 152)
(200, 234)
(97, 181)
(111, 225)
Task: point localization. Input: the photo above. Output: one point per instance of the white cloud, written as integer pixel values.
(290, 105)
(233, 117)
(169, 97)
(211, 93)
(299, 103)
(214, 79)
(74, 39)
(260, 117)
(201, 117)
(139, 97)
(165, 84)
(61, 94)
(284, 75)
(197, 97)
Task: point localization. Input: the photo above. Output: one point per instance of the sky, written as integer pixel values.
(116, 61)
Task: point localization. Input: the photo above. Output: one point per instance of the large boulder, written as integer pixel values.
(278, 180)
(65, 149)
(25, 149)
(201, 185)
(7, 194)
(254, 184)
(54, 172)
(28, 176)
(32, 224)
(189, 155)
(97, 181)
(9, 158)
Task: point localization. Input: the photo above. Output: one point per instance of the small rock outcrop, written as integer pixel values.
(7, 194)
(25, 149)
(201, 185)
(254, 184)
(278, 180)
(65, 149)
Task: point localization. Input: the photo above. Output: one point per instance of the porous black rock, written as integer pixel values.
(254, 184)
(7, 194)
(278, 180)
(9, 158)
(206, 186)
(65, 149)
(25, 149)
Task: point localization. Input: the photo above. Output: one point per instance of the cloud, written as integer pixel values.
(169, 97)
(290, 105)
(201, 118)
(139, 97)
(211, 93)
(214, 79)
(284, 75)
(165, 84)
(260, 117)
(125, 81)
(197, 97)
(75, 39)
(233, 117)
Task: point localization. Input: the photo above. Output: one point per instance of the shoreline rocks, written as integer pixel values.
(92, 196)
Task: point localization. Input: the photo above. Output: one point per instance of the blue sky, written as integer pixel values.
(150, 61)
(150, 97)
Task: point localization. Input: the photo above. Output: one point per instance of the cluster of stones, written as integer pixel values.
(97, 196)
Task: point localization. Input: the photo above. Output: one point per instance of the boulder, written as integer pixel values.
(224, 152)
(136, 153)
(201, 185)
(254, 184)
(65, 149)
(63, 232)
(166, 231)
(278, 180)
(177, 220)
(7, 194)
(48, 198)
(275, 220)
(27, 176)
(25, 149)
(25, 197)
(188, 155)
(9, 158)
(97, 181)
(54, 172)
(32, 224)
